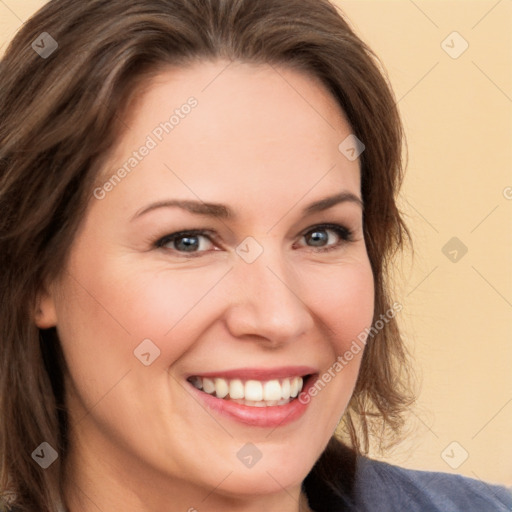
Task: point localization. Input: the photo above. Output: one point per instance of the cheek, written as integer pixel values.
(343, 297)
(344, 300)
(113, 309)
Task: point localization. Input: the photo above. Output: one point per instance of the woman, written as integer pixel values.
(198, 208)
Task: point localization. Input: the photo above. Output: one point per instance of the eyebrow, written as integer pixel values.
(221, 211)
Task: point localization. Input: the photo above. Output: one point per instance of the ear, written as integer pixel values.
(45, 315)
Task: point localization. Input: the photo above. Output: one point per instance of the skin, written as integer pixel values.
(264, 142)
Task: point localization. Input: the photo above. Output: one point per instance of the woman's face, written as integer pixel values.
(263, 285)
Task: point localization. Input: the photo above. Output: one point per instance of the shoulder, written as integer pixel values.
(382, 486)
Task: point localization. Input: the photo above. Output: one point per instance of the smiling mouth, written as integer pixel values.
(253, 393)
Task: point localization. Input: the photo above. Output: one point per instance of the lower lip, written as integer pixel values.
(269, 416)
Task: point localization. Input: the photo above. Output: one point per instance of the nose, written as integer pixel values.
(266, 302)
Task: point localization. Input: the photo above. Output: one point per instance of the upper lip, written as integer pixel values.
(262, 374)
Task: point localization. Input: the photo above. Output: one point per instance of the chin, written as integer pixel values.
(262, 481)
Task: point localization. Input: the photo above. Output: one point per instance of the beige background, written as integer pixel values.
(457, 315)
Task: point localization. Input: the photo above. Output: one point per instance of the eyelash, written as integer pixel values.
(345, 234)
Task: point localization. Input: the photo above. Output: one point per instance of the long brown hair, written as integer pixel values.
(62, 110)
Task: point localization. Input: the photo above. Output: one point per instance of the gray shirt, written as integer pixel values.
(382, 487)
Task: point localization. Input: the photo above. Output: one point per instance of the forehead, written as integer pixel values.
(217, 127)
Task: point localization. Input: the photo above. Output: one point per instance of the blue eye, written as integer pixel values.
(195, 242)
(187, 241)
(321, 236)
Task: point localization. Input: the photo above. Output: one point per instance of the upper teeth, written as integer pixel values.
(253, 390)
